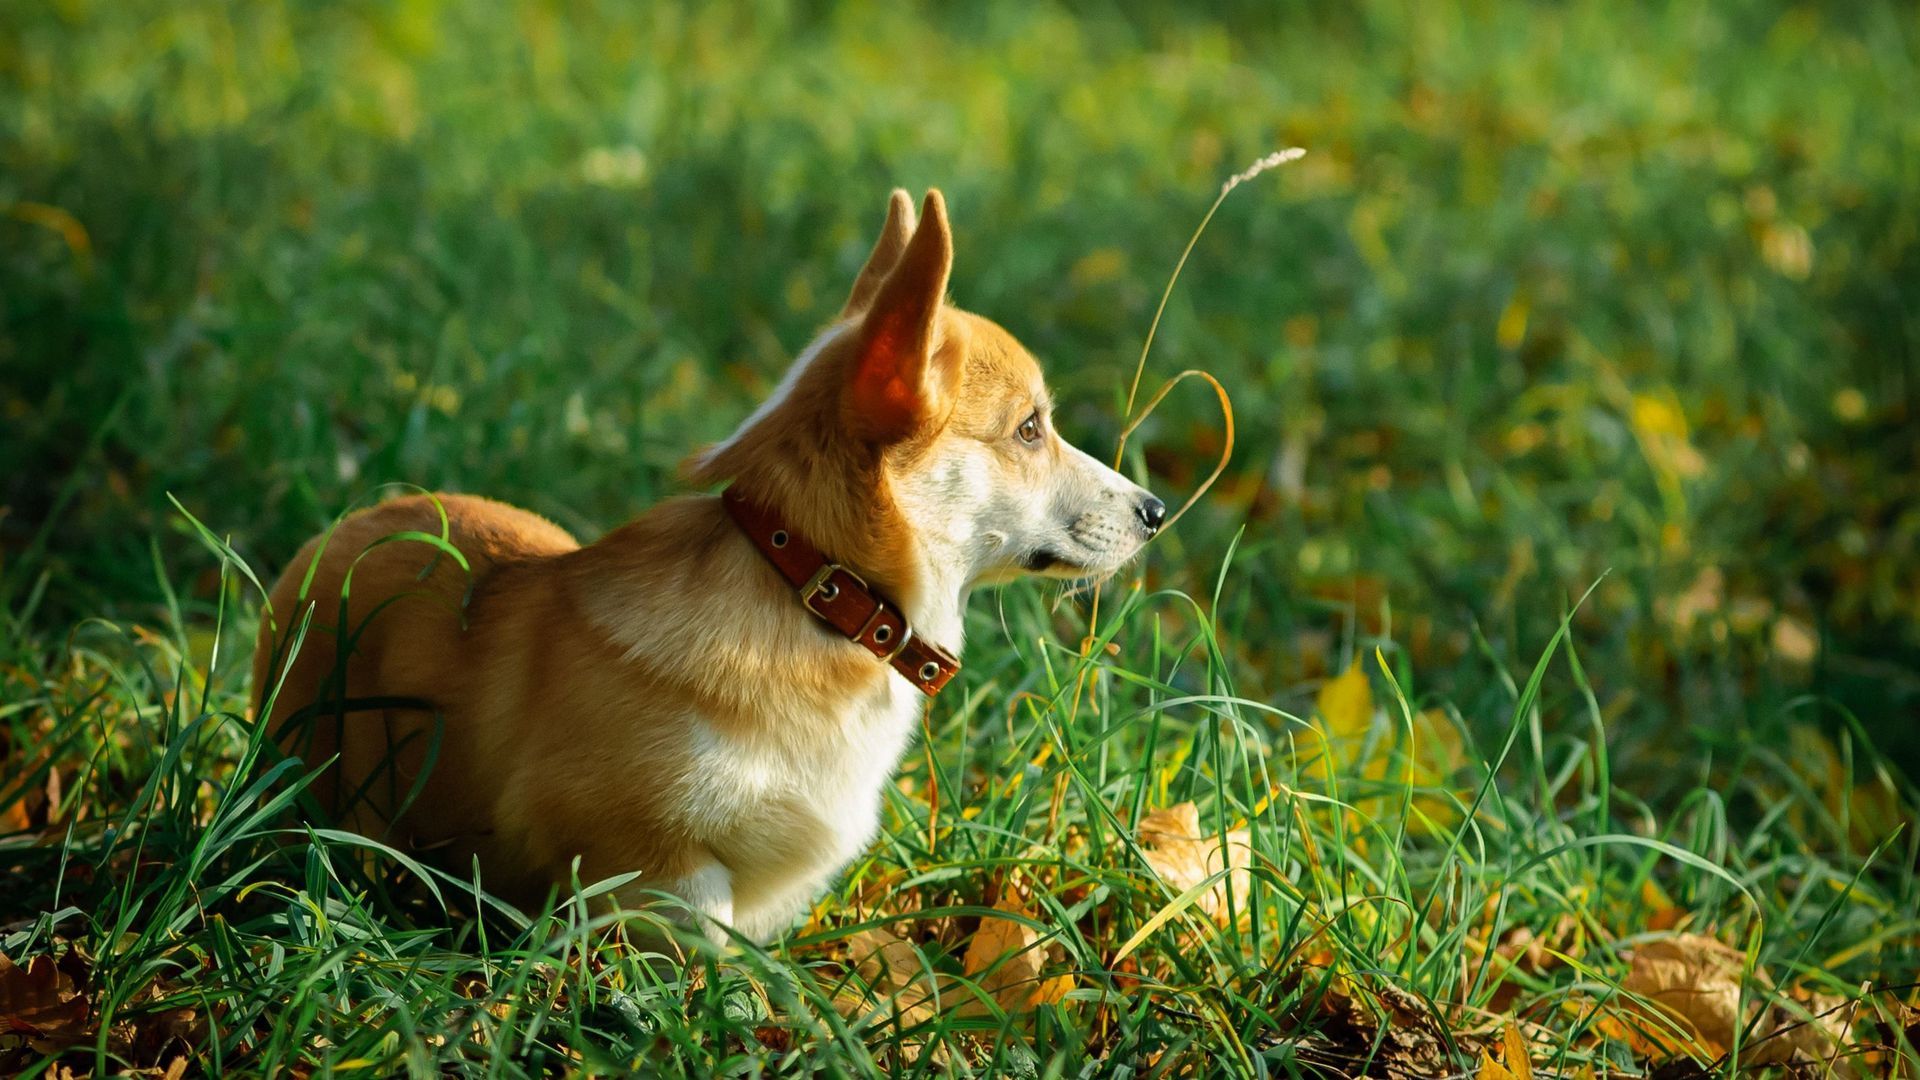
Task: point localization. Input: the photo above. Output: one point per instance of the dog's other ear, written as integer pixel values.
(902, 372)
(886, 252)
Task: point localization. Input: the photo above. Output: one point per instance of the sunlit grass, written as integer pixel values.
(1558, 596)
(175, 874)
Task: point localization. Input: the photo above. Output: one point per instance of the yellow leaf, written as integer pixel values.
(1098, 266)
(1660, 425)
(1345, 704)
(1437, 753)
(1437, 747)
(1052, 991)
(1517, 1061)
(1850, 404)
(1514, 1064)
(1794, 641)
(1512, 329)
(1660, 912)
(1491, 1069)
(1787, 249)
(1659, 414)
(1184, 854)
(1006, 958)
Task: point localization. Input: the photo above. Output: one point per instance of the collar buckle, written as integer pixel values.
(824, 589)
(821, 585)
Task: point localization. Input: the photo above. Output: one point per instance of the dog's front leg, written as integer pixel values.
(704, 893)
(762, 918)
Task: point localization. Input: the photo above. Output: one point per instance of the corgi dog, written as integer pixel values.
(713, 695)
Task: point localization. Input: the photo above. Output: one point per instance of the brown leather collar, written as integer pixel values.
(841, 598)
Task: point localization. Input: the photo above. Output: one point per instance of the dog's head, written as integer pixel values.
(913, 433)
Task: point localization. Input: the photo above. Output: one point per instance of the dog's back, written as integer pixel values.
(668, 704)
(405, 606)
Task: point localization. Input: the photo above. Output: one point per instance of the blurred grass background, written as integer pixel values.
(1561, 290)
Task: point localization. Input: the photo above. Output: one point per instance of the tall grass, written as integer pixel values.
(174, 873)
(1558, 597)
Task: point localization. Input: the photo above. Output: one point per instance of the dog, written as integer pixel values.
(713, 695)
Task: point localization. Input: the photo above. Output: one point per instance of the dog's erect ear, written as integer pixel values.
(886, 252)
(901, 374)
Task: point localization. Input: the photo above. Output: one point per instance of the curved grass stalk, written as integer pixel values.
(1270, 161)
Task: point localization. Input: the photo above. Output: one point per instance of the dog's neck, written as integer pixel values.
(929, 586)
(841, 520)
(936, 602)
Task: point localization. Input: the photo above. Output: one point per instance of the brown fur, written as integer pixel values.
(596, 702)
(534, 690)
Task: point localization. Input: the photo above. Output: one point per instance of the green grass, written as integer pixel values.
(1571, 297)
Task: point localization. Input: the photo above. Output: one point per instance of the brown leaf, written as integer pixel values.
(1005, 956)
(1382, 1023)
(907, 990)
(40, 1001)
(1695, 980)
(1692, 980)
(1522, 949)
(14, 817)
(1053, 991)
(1184, 855)
(1818, 1031)
(154, 1033)
(885, 961)
(895, 972)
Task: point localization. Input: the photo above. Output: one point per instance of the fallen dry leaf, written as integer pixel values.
(1491, 1069)
(1695, 980)
(1052, 991)
(1660, 912)
(1345, 704)
(1364, 1019)
(40, 1002)
(1818, 1030)
(1003, 957)
(907, 990)
(883, 960)
(1184, 855)
(1514, 1064)
(1794, 641)
(15, 818)
(1520, 950)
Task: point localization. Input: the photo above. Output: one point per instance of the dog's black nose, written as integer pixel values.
(1152, 512)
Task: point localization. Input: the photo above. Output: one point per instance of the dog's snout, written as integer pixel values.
(1152, 513)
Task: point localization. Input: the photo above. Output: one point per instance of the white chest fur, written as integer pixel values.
(787, 802)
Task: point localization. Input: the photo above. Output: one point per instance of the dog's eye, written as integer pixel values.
(1030, 429)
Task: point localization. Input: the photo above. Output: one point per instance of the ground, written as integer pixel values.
(1537, 681)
